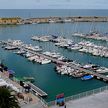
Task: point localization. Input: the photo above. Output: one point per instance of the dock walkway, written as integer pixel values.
(98, 75)
(38, 90)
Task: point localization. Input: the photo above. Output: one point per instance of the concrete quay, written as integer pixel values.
(98, 100)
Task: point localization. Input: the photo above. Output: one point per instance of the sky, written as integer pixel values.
(53, 4)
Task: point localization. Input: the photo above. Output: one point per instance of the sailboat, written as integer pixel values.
(76, 32)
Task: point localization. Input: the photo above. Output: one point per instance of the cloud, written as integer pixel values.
(35, 4)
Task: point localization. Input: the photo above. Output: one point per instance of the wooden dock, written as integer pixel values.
(97, 75)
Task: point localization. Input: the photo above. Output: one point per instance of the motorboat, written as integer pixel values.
(20, 52)
(102, 70)
(11, 48)
(87, 77)
(45, 61)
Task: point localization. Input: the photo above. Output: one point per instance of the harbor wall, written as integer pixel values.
(18, 20)
(12, 20)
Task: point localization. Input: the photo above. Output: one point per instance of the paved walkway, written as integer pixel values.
(37, 105)
(99, 100)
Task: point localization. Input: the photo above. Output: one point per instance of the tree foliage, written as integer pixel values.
(7, 100)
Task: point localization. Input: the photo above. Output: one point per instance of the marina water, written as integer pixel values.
(45, 76)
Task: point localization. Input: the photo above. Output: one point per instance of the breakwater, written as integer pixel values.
(18, 20)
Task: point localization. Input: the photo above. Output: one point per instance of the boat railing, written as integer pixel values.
(80, 95)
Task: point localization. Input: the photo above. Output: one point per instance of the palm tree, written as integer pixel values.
(7, 100)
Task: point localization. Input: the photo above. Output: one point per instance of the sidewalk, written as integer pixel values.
(99, 100)
(35, 103)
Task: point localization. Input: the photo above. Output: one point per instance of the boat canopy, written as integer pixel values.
(87, 77)
(60, 100)
(54, 36)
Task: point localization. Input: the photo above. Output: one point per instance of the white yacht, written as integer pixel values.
(102, 70)
(47, 53)
(87, 66)
(10, 48)
(20, 52)
(67, 20)
(78, 34)
(28, 54)
(15, 42)
(75, 47)
(32, 58)
(45, 61)
(54, 55)
(35, 38)
(36, 48)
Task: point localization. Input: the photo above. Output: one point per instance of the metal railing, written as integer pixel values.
(81, 95)
(44, 103)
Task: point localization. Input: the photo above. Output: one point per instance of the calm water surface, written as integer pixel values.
(45, 76)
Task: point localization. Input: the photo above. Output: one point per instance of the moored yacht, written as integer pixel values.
(28, 54)
(78, 34)
(87, 77)
(102, 70)
(33, 48)
(45, 61)
(10, 47)
(20, 52)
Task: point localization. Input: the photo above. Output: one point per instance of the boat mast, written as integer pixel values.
(75, 28)
(91, 27)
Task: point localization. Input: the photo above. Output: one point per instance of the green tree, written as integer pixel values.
(7, 100)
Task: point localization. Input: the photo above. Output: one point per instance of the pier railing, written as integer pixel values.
(81, 95)
(44, 103)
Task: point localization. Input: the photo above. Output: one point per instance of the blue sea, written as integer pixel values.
(45, 76)
(28, 13)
